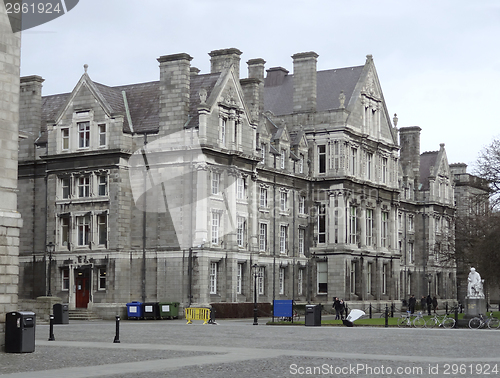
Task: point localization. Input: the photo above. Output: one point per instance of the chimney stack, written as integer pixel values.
(175, 81)
(222, 59)
(30, 114)
(304, 82)
(409, 141)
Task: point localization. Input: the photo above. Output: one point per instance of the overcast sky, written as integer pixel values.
(438, 61)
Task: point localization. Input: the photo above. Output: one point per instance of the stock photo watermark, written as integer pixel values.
(26, 14)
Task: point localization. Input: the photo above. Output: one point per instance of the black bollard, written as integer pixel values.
(446, 308)
(51, 328)
(392, 310)
(487, 307)
(370, 309)
(117, 336)
(386, 316)
(456, 318)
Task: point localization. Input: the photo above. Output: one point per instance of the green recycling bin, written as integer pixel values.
(169, 310)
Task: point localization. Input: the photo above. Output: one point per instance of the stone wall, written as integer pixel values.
(10, 219)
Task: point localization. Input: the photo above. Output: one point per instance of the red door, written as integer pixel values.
(82, 292)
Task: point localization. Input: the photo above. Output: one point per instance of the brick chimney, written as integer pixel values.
(221, 59)
(304, 82)
(30, 114)
(175, 79)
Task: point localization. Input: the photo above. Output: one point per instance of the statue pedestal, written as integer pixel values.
(474, 307)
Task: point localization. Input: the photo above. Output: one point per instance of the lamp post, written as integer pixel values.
(255, 276)
(429, 281)
(50, 249)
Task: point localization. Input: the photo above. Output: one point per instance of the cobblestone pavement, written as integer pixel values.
(236, 348)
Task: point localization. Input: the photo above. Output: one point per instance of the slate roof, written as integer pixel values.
(427, 160)
(279, 98)
(143, 102)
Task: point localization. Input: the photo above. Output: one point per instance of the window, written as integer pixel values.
(301, 163)
(322, 275)
(102, 182)
(65, 279)
(65, 139)
(321, 224)
(283, 200)
(369, 227)
(83, 230)
(302, 205)
(354, 160)
(369, 278)
(102, 279)
(213, 278)
(215, 227)
(260, 280)
(384, 279)
(263, 153)
(369, 166)
(102, 229)
(283, 238)
(385, 229)
(102, 135)
(353, 277)
(282, 281)
(300, 281)
(322, 159)
(84, 134)
(240, 188)
(263, 237)
(215, 182)
(384, 170)
(411, 223)
(282, 159)
(302, 234)
(263, 197)
(223, 131)
(240, 231)
(353, 225)
(410, 252)
(65, 231)
(84, 186)
(239, 279)
(66, 187)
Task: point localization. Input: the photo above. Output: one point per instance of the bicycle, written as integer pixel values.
(295, 317)
(480, 321)
(445, 321)
(408, 320)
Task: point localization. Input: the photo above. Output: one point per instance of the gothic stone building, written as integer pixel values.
(186, 188)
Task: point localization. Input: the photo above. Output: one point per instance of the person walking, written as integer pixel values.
(411, 303)
(342, 309)
(423, 303)
(434, 304)
(336, 306)
(429, 304)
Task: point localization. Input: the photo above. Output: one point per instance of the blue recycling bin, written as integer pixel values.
(135, 310)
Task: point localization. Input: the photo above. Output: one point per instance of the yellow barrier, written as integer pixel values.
(197, 313)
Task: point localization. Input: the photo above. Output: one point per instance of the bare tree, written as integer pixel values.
(488, 168)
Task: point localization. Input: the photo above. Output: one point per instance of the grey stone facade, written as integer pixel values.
(174, 190)
(10, 219)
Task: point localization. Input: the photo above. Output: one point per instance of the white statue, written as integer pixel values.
(475, 286)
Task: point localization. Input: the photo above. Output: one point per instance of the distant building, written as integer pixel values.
(297, 179)
(10, 219)
(472, 201)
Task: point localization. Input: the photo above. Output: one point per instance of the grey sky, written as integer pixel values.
(438, 62)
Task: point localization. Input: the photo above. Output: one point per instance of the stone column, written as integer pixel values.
(10, 219)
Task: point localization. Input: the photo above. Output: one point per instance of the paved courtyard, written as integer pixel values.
(236, 348)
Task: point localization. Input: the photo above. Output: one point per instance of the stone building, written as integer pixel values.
(10, 219)
(188, 188)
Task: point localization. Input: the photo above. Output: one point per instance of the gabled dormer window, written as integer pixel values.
(83, 134)
(301, 163)
(65, 139)
(282, 159)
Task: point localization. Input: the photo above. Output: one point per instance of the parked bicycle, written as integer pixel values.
(444, 321)
(409, 320)
(295, 316)
(482, 321)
